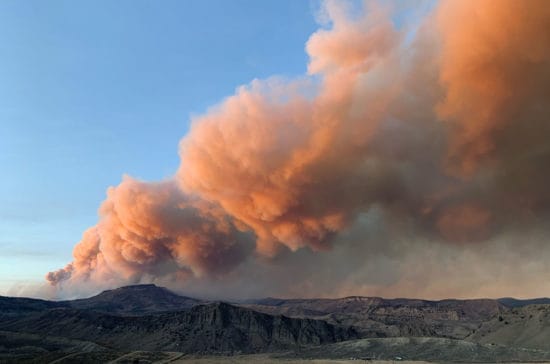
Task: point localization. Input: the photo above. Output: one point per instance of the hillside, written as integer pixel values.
(421, 348)
(154, 320)
(527, 326)
(378, 317)
(217, 327)
(134, 300)
(18, 306)
(513, 302)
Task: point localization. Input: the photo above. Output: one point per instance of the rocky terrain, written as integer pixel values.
(215, 327)
(378, 317)
(149, 319)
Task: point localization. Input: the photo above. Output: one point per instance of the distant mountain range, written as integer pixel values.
(151, 318)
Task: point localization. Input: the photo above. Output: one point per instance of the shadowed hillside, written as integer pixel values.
(138, 299)
(378, 317)
(148, 319)
(216, 327)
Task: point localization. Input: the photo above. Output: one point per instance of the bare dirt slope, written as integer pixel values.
(421, 348)
(527, 327)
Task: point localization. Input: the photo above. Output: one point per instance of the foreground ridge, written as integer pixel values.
(155, 319)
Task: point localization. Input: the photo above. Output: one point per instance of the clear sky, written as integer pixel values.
(92, 90)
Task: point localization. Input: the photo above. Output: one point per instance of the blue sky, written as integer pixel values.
(92, 90)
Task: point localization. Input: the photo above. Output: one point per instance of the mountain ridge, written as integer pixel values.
(151, 318)
(212, 327)
(137, 288)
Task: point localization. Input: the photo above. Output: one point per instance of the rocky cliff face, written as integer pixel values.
(227, 323)
(217, 327)
(378, 317)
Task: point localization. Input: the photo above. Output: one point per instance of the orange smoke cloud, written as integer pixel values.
(492, 57)
(287, 168)
(153, 229)
(465, 223)
(447, 132)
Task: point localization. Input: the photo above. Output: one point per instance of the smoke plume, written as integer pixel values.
(408, 155)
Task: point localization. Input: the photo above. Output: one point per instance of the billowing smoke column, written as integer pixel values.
(153, 229)
(439, 130)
